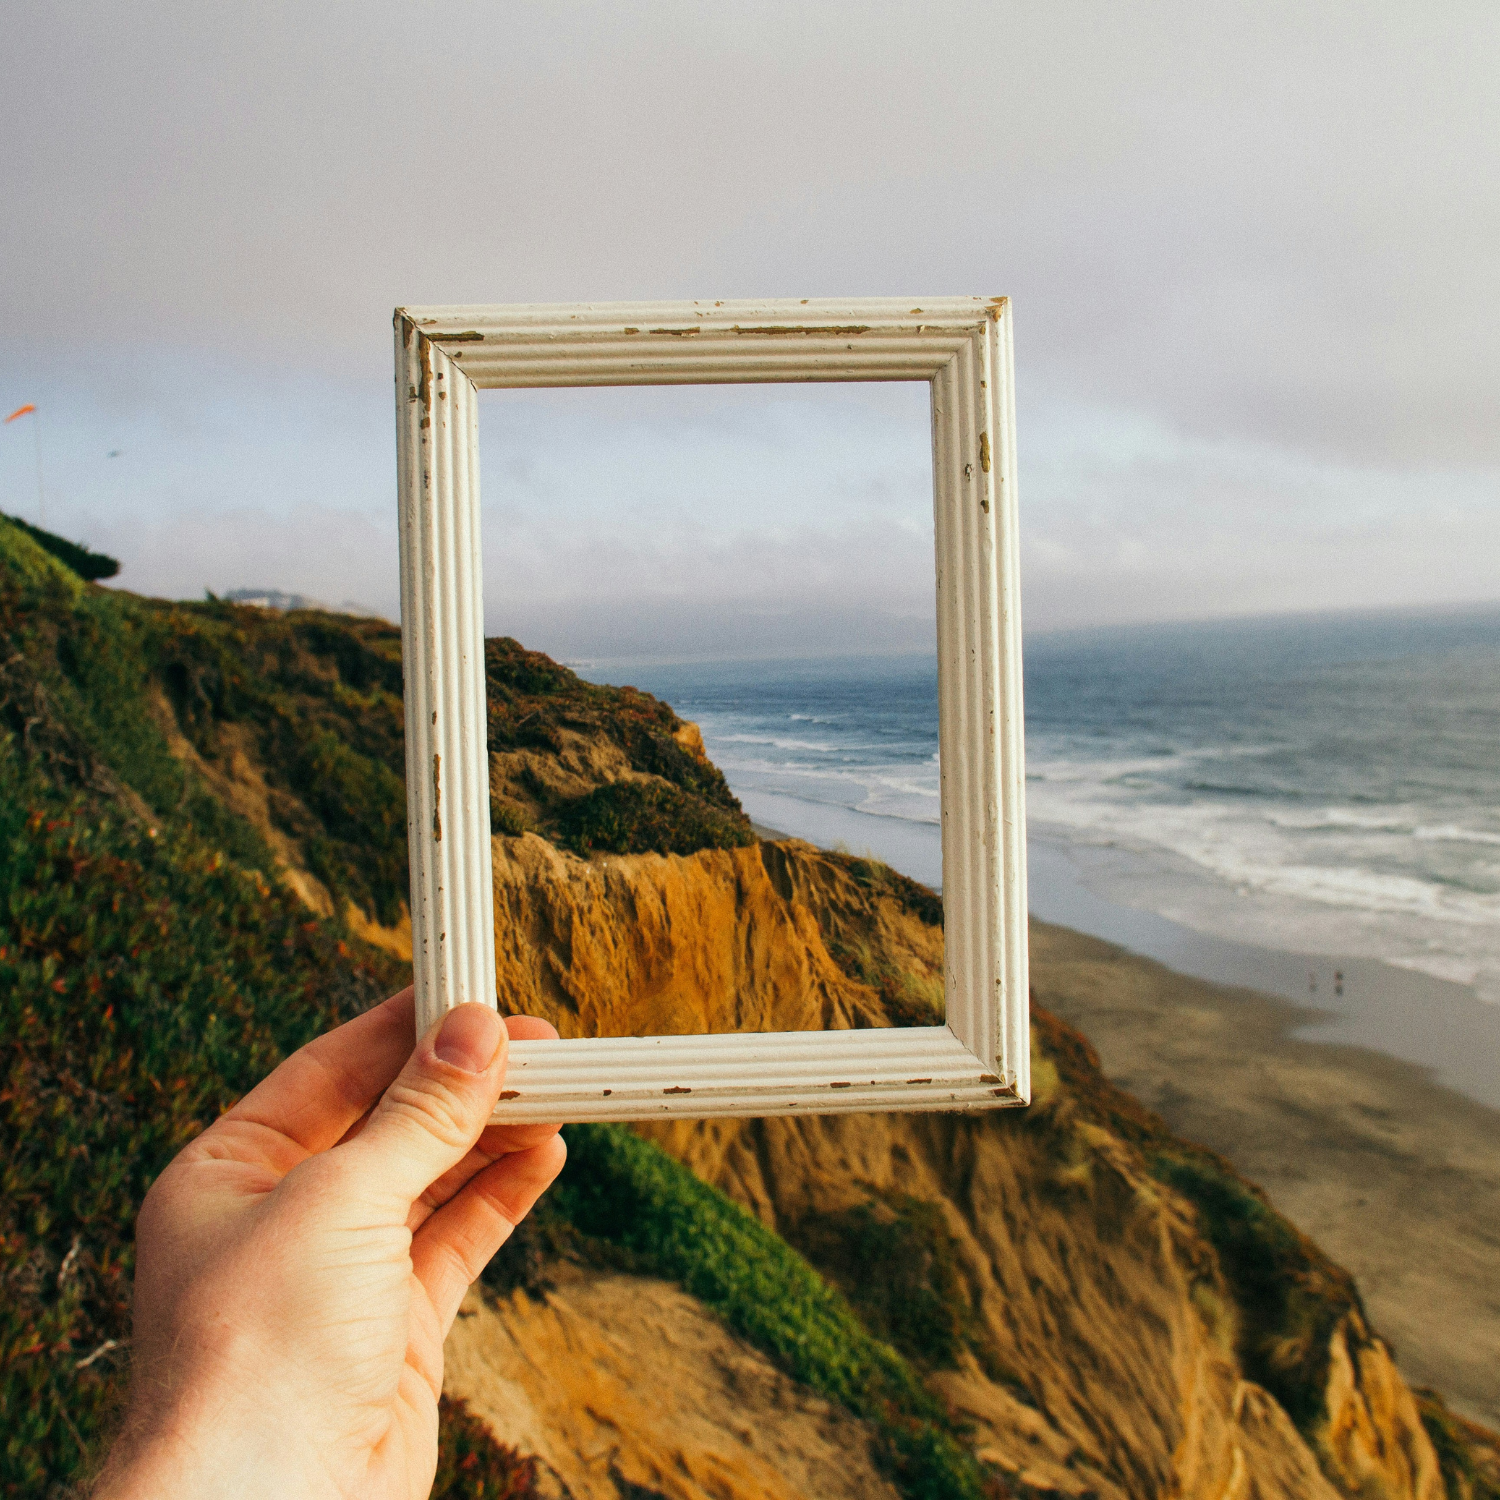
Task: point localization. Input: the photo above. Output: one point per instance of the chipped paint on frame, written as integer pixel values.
(962, 348)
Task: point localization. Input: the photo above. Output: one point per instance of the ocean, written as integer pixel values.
(1326, 785)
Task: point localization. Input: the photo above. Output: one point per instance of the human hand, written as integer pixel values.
(299, 1264)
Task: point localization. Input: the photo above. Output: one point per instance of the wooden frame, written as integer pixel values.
(962, 347)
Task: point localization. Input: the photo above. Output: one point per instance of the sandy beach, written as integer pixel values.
(1396, 1176)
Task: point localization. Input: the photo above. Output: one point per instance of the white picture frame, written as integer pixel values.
(962, 347)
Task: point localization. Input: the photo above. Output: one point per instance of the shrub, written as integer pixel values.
(508, 818)
(87, 565)
(533, 700)
(896, 1263)
(635, 817)
(472, 1465)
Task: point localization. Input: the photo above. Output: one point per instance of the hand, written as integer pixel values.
(300, 1263)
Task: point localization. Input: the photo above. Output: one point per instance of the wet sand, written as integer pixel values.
(1396, 1176)
(1435, 1023)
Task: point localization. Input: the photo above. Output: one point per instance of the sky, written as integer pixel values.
(1252, 250)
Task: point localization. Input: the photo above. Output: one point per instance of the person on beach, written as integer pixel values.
(300, 1263)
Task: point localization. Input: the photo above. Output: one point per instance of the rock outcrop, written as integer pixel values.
(625, 1385)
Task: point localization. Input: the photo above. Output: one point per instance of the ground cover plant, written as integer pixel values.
(472, 1465)
(673, 801)
(630, 817)
(629, 1194)
(893, 1258)
(147, 979)
(145, 983)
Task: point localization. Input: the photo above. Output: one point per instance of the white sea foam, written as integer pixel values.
(775, 742)
(1449, 834)
(1330, 792)
(1338, 878)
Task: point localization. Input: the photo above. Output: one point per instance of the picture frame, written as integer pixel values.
(962, 347)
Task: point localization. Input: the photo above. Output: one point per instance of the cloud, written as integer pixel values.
(1262, 237)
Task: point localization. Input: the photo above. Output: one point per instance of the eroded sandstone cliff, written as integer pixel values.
(1084, 1323)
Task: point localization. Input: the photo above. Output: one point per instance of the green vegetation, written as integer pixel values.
(895, 1261)
(1468, 1455)
(854, 891)
(909, 999)
(472, 1465)
(621, 1190)
(1289, 1296)
(308, 704)
(881, 880)
(148, 977)
(537, 705)
(630, 817)
(145, 983)
(86, 564)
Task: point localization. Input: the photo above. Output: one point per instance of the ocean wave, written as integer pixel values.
(1449, 834)
(776, 743)
(1357, 813)
(1257, 852)
(1341, 819)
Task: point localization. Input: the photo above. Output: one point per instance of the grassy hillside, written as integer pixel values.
(150, 972)
(152, 966)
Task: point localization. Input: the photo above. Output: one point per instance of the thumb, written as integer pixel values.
(434, 1112)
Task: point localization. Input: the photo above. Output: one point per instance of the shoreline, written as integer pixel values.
(1435, 1024)
(1374, 1127)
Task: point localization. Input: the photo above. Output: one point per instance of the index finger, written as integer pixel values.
(323, 1088)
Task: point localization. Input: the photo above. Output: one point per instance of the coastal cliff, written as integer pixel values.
(1080, 1321)
(204, 864)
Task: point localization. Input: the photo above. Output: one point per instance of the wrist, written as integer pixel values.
(207, 1449)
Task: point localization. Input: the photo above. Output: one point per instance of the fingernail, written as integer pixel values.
(470, 1037)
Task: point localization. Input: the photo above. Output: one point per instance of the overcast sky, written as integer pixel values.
(1253, 250)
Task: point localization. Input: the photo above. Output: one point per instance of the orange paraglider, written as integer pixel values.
(36, 428)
